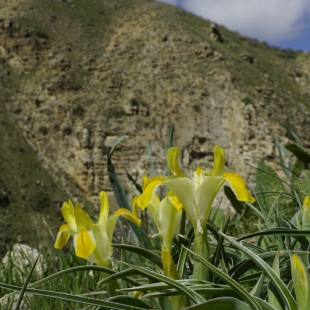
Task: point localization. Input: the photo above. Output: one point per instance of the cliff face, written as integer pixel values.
(79, 74)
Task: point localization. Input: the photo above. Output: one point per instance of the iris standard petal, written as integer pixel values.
(103, 252)
(62, 236)
(197, 177)
(85, 243)
(104, 208)
(219, 161)
(306, 214)
(238, 186)
(301, 282)
(205, 195)
(148, 190)
(68, 214)
(83, 220)
(169, 220)
(113, 218)
(184, 189)
(173, 155)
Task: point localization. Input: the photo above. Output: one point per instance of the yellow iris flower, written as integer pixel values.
(197, 193)
(92, 241)
(301, 281)
(306, 213)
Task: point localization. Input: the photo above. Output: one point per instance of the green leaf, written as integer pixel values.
(273, 295)
(300, 152)
(217, 217)
(299, 235)
(298, 168)
(228, 303)
(268, 184)
(238, 205)
(223, 303)
(150, 255)
(75, 298)
(292, 134)
(273, 277)
(303, 183)
(281, 150)
(238, 288)
(121, 196)
(130, 301)
(195, 297)
(23, 290)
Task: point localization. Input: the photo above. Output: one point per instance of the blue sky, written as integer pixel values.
(283, 23)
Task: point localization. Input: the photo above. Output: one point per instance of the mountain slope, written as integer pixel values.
(86, 72)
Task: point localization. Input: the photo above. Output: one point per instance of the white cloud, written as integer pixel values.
(268, 20)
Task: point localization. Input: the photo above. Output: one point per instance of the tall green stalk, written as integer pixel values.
(201, 247)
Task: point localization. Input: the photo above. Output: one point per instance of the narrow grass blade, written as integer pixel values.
(23, 290)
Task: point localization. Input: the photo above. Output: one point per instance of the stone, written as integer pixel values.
(21, 259)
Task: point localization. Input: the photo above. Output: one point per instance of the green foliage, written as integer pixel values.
(262, 274)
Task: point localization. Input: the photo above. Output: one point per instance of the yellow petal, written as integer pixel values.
(169, 221)
(134, 206)
(197, 177)
(104, 208)
(148, 190)
(175, 202)
(83, 220)
(113, 218)
(184, 189)
(103, 251)
(68, 214)
(238, 186)
(205, 195)
(85, 244)
(219, 161)
(306, 202)
(173, 162)
(301, 282)
(62, 236)
(168, 265)
(306, 214)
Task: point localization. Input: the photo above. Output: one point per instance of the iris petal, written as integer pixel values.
(173, 162)
(104, 208)
(184, 189)
(68, 214)
(205, 195)
(148, 190)
(219, 161)
(238, 186)
(113, 218)
(85, 244)
(62, 236)
(82, 218)
(169, 220)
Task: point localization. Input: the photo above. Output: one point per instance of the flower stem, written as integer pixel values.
(201, 247)
(112, 287)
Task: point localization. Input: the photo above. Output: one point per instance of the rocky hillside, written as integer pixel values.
(75, 75)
